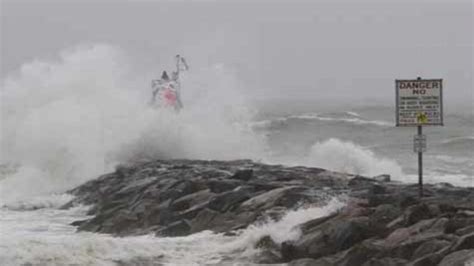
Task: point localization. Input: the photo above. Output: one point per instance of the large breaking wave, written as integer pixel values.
(69, 120)
(345, 156)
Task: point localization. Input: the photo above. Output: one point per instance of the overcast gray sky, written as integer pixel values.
(280, 49)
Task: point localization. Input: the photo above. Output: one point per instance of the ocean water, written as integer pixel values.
(68, 120)
(364, 140)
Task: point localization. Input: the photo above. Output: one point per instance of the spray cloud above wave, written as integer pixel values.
(70, 120)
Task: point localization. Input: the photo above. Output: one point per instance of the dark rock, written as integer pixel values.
(328, 238)
(385, 213)
(361, 182)
(244, 175)
(275, 213)
(382, 178)
(360, 253)
(455, 224)
(313, 224)
(403, 242)
(190, 186)
(386, 261)
(406, 200)
(383, 223)
(122, 223)
(189, 200)
(141, 261)
(268, 257)
(427, 260)
(464, 242)
(377, 189)
(270, 251)
(219, 186)
(465, 230)
(287, 197)
(416, 213)
(310, 262)
(429, 247)
(459, 258)
(266, 242)
(179, 228)
(228, 200)
(202, 220)
(78, 223)
(379, 199)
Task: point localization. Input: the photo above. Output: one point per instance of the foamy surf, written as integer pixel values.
(348, 157)
(45, 236)
(68, 120)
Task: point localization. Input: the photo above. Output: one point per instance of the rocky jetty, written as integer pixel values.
(383, 222)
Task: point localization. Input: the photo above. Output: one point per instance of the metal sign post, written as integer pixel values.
(419, 103)
(420, 163)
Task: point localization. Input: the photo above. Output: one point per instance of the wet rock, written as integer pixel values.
(464, 242)
(383, 223)
(141, 261)
(219, 186)
(328, 238)
(270, 251)
(456, 223)
(361, 182)
(465, 230)
(268, 257)
(459, 258)
(228, 200)
(310, 262)
(244, 175)
(386, 261)
(202, 220)
(266, 242)
(427, 260)
(416, 213)
(179, 228)
(287, 197)
(385, 213)
(404, 241)
(360, 253)
(430, 247)
(189, 200)
(382, 178)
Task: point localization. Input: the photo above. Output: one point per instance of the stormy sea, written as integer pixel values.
(69, 120)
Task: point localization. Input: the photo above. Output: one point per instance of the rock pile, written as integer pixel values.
(384, 223)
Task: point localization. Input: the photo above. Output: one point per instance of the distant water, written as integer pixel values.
(366, 141)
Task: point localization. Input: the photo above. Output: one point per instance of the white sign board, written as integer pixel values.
(419, 143)
(419, 102)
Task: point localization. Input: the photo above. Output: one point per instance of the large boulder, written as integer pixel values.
(244, 175)
(286, 197)
(458, 258)
(403, 242)
(464, 242)
(178, 228)
(219, 186)
(328, 238)
(228, 200)
(430, 247)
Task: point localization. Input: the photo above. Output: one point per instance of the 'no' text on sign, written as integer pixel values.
(419, 102)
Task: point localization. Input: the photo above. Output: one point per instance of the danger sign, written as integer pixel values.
(419, 102)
